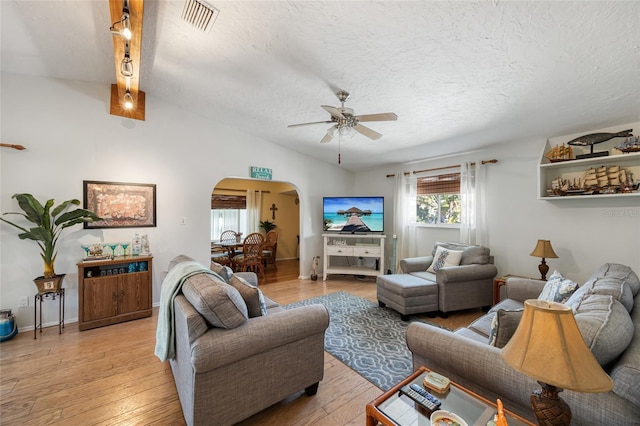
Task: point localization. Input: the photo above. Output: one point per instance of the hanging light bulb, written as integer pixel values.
(128, 100)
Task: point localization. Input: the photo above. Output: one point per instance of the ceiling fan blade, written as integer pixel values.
(306, 124)
(367, 132)
(383, 116)
(330, 133)
(335, 112)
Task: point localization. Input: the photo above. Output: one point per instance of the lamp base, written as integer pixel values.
(543, 268)
(548, 407)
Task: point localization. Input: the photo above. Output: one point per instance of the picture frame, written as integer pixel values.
(120, 204)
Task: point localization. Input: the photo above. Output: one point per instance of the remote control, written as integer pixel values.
(425, 393)
(428, 402)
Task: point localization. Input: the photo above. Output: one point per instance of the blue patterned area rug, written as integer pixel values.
(369, 339)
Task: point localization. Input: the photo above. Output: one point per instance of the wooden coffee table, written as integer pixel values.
(392, 409)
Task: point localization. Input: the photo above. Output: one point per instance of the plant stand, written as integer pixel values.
(38, 307)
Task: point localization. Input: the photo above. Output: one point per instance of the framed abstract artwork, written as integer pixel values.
(120, 204)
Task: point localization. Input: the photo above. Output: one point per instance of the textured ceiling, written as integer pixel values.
(459, 75)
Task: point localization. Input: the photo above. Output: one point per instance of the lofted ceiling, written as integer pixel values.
(459, 75)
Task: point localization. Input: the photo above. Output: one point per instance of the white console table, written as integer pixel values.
(353, 246)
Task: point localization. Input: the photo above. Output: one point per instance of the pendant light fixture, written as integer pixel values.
(126, 98)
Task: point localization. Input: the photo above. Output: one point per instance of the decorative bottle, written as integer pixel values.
(136, 245)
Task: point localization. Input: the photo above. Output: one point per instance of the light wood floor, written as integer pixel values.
(109, 375)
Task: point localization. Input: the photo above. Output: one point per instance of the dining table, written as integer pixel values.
(231, 248)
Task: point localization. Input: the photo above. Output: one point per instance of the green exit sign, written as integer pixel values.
(261, 173)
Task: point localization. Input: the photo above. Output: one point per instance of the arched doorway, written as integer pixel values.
(279, 204)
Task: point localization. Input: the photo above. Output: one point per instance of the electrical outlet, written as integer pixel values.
(24, 301)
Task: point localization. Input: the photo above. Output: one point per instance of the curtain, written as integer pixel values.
(473, 220)
(404, 219)
(254, 206)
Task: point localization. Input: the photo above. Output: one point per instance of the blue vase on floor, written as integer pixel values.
(8, 326)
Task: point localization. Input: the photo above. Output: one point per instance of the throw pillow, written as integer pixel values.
(605, 325)
(503, 326)
(219, 303)
(557, 289)
(224, 271)
(252, 296)
(443, 258)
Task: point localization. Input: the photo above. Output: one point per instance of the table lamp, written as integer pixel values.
(548, 347)
(543, 249)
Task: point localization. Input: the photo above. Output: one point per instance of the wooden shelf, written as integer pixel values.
(575, 169)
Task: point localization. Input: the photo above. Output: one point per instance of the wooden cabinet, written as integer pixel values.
(355, 250)
(113, 291)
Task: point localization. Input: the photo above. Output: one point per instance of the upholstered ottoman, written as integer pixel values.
(407, 294)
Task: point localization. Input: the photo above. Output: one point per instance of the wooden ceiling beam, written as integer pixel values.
(118, 90)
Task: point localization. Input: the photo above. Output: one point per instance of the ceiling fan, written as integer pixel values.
(344, 120)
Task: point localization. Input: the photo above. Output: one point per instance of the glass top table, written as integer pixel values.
(392, 408)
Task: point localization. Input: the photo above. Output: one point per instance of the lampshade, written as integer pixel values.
(548, 346)
(544, 249)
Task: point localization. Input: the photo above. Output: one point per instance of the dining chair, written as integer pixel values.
(223, 254)
(251, 257)
(220, 254)
(269, 248)
(228, 235)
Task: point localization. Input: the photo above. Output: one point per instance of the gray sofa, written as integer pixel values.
(607, 311)
(224, 375)
(469, 285)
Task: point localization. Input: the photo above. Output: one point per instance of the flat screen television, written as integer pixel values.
(353, 214)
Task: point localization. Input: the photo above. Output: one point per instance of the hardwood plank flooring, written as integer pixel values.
(110, 376)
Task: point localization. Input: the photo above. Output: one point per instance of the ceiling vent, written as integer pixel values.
(200, 14)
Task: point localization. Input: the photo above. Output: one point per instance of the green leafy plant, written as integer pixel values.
(267, 225)
(49, 223)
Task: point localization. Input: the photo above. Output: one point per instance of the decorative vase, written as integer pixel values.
(49, 285)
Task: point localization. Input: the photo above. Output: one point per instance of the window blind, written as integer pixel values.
(236, 202)
(448, 183)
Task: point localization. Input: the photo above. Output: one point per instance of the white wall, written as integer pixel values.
(70, 137)
(584, 233)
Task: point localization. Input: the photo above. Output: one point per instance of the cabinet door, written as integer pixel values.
(100, 298)
(133, 293)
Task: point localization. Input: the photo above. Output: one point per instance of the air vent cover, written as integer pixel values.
(200, 14)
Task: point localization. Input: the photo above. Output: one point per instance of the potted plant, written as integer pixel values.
(267, 226)
(48, 226)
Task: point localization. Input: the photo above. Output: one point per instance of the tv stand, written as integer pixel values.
(352, 247)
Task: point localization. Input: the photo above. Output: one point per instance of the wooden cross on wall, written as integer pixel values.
(273, 211)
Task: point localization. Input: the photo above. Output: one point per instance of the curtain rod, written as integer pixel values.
(483, 162)
(237, 190)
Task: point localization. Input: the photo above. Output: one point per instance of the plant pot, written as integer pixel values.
(49, 285)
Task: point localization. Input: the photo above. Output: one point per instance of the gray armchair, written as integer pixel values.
(469, 285)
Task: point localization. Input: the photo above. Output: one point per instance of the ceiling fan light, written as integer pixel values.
(128, 100)
(344, 130)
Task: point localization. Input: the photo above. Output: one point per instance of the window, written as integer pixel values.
(438, 199)
(228, 212)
